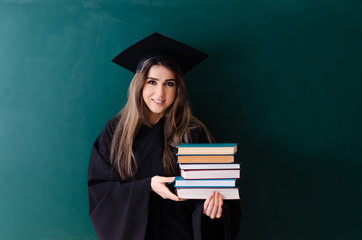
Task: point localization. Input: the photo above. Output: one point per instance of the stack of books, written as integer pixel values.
(205, 168)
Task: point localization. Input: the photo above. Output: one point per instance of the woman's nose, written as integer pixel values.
(160, 91)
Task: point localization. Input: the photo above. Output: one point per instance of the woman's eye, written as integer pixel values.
(151, 82)
(170, 84)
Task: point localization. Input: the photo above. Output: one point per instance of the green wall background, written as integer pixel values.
(283, 80)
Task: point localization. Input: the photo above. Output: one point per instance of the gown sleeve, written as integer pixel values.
(116, 209)
(227, 226)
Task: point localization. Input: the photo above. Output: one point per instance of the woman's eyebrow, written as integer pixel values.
(156, 79)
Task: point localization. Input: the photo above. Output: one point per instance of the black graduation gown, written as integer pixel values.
(130, 210)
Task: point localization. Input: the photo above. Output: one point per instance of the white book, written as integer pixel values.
(204, 193)
(187, 166)
(210, 174)
(207, 148)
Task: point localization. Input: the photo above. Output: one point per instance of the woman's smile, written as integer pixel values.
(158, 101)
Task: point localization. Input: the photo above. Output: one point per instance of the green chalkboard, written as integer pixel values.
(283, 80)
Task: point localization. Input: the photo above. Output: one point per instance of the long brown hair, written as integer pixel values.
(178, 122)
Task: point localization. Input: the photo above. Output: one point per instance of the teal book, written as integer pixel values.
(207, 149)
(204, 183)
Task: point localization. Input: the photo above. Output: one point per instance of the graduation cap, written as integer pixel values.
(157, 45)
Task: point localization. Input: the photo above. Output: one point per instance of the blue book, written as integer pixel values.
(207, 149)
(204, 183)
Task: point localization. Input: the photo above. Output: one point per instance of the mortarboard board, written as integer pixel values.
(156, 45)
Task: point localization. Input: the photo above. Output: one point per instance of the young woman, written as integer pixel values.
(134, 158)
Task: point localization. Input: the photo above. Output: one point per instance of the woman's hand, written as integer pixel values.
(213, 205)
(158, 185)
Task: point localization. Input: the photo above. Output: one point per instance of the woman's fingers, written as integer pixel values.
(207, 202)
(167, 179)
(158, 185)
(210, 205)
(167, 194)
(221, 202)
(213, 205)
(216, 206)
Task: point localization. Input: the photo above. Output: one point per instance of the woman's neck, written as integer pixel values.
(154, 118)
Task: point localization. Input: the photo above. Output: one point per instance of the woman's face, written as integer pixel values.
(159, 91)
